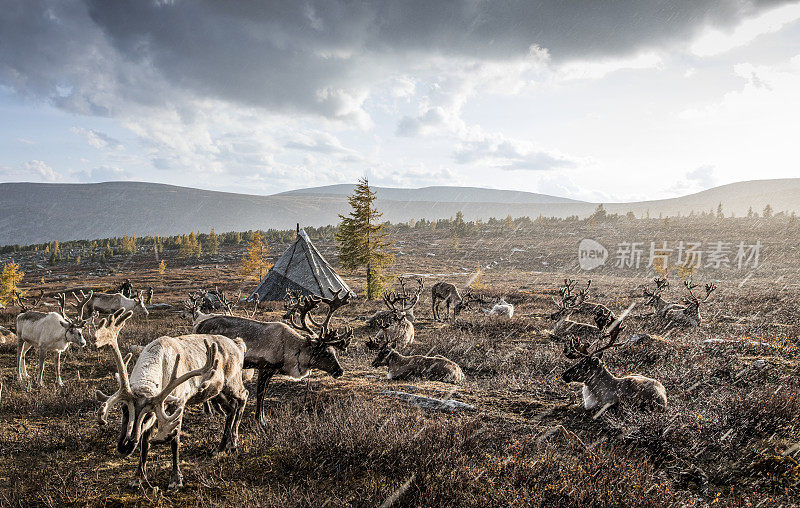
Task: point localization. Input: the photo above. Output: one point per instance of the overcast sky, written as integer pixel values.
(600, 100)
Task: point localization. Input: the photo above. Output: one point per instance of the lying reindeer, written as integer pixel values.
(395, 327)
(407, 300)
(501, 308)
(434, 368)
(654, 299)
(174, 372)
(52, 331)
(274, 347)
(688, 314)
(600, 387)
(569, 304)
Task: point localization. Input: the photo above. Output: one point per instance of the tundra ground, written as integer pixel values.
(729, 435)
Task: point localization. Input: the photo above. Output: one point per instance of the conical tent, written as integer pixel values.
(301, 268)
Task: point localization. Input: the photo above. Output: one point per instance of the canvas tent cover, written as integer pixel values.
(300, 268)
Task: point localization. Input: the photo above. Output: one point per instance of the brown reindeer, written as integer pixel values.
(567, 305)
(655, 300)
(278, 348)
(434, 368)
(447, 293)
(395, 326)
(406, 298)
(600, 387)
(688, 314)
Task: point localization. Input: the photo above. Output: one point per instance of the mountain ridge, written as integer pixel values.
(36, 213)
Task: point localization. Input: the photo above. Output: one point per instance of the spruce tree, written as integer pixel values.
(361, 237)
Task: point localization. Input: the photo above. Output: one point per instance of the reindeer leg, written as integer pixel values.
(40, 378)
(222, 401)
(241, 402)
(176, 478)
(141, 470)
(22, 350)
(264, 375)
(58, 369)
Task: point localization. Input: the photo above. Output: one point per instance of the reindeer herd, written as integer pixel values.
(209, 366)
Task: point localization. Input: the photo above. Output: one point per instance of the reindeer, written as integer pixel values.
(568, 304)
(192, 311)
(434, 368)
(447, 293)
(171, 372)
(108, 303)
(654, 299)
(395, 326)
(687, 315)
(600, 387)
(409, 301)
(501, 308)
(275, 347)
(52, 331)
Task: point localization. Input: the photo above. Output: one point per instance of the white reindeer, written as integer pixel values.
(47, 332)
(171, 372)
(107, 303)
(501, 308)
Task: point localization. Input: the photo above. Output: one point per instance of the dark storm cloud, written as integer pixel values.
(312, 57)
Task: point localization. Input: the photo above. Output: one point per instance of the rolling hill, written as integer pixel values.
(33, 212)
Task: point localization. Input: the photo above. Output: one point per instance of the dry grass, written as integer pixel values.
(728, 435)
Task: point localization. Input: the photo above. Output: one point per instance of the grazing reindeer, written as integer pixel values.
(108, 303)
(171, 372)
(275, 347)
(444, 292)
(600, 387)
(688, 315)
(654, 299)
(409, 301)
(567, 305)
(46, 332)
(434, 368)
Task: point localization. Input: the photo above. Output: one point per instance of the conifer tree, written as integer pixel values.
(212, 244)
(9, 278)
(255, 264)
(361, 237)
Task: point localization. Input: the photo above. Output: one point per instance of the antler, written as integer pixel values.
(710, 287)
(298, 313)
(417, 292)
(36, 301)
(80, 302)
(168, 423)
(61, 298)
(106, 335)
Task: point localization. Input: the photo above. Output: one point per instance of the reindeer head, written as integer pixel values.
(692, 300)
(320, 350)
(463, 304)
(142, 412)
(653, 296)
(73, 328)
(139, 308)
(383, 356)
(411, 297)
(589, 357)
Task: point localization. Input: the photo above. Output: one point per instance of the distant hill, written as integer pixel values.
(437, 194)
(34, 213)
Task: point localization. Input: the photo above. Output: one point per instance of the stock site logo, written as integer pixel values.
(591, 254)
